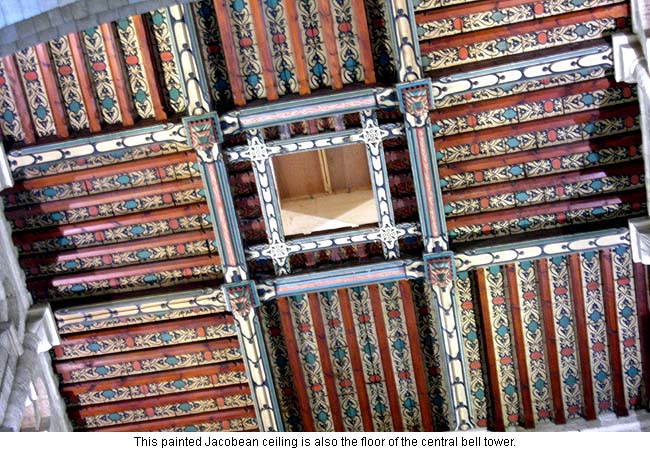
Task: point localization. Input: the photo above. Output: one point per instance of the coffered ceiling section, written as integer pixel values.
(358, 359)
(189, 59)
(124, 221)
(531, 130)
(170, 364)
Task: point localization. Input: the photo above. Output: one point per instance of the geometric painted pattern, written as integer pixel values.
(385, 367)
(569, 376)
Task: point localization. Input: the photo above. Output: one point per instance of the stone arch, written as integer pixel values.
(38, 21)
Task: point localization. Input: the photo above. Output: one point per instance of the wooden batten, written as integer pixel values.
(222, 416)
(365, 49)
(536, 25)
(643, 312)
(73, 390)
(230, 52)
(134, 270)
(355, 358)
(19, 98)
(518, 346)
(611, 319)
(103, 224)
(319, 331)
(302, 399)
(87, 92)
(114, 169)
(293, 29)
(52, 91)
(543, 124)
(629, 168)
(634, 196)
(496, 422)
(384, 351)
(149, 68)
(268, 72)
(417, 356)
(514, 100)
(329, 39)
(66, 367)
(445, 170)
(114, 56)
(577, 296)
(546, 305)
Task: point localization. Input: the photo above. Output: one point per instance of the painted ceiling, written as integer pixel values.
(531, 132)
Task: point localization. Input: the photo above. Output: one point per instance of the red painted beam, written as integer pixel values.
(548, 320)
(416, 356)
(355, 359)
(87, 92)
(577, 296)
(643, 312)
(329, 39)
(222, 9)
(518, 342)
(302, 399)
(52, 90)
(326, 363)
(496, 422)
(115, 56)
(384, 350)
(611, 320)
(11, 71)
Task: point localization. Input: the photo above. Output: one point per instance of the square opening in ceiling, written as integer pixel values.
(324, 190)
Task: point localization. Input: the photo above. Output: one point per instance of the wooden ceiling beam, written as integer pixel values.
(623, 169)
(222, 417)
(632, 140)
(221, 8)
(533, 26)
(200, 321)
(52, 91)
(419, 364)
(544, 124)
(19, 98)
(547, 94)
(632, 196)
(495, 421)
(105, 171)
(384, 353)
(331, 50)
(268, 72)
(550, 339)
(355, 359)
(149, 68)
(582, 335)
(66, 367)
(166, 188)
(98, 225)
(302, 399)
(133, 270)
(114, 56)
(158, 401)
(611, 321)
(87, 91)
(518, 345)
(643, 313)
(293, 28)
(72, 391)
(365, 48)
(322, 344)
(130, 246)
